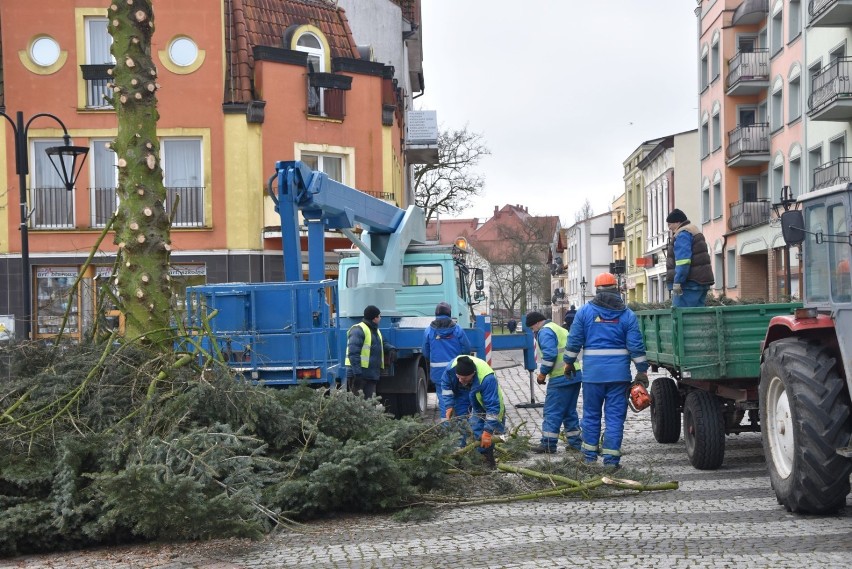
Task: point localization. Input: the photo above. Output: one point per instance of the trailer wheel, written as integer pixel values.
(704, 430)
(415, 403)
(805, 417)
(665, 412)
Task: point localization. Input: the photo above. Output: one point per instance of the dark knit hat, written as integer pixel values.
(676, 216)
(443, 309)
(371, 312)
(465, 366)
(534, 318)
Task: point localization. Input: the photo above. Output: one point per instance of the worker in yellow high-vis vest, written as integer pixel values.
(365, 353)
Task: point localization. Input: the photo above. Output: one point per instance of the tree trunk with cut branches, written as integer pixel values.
(142, 225)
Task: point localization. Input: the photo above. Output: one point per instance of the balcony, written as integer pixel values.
(748, 72)
(104, 202)
(831, 98)
(616, 234)
(97, 77)
(327, 95)
(750, 12)
(190, 206)
(830, 13)
(834, 172)
(746, 214)
(53, 208)
(748, 145)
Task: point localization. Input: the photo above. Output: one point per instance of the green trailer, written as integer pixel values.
(712, 355)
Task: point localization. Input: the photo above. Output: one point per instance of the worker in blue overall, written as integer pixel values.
(560, 403)
(443, 341)
(608, 333)
(471, 375)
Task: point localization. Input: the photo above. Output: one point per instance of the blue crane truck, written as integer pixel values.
(295, 331)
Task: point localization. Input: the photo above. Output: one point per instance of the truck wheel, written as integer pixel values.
(704, 430)
(805, 416)
(415, 403)
(665, 412)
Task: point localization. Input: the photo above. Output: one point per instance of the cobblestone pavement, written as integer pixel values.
(727, 518)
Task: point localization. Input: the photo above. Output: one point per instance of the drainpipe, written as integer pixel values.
(724, 260)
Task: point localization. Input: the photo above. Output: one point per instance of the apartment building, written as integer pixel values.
(243, 84)
(634, 220)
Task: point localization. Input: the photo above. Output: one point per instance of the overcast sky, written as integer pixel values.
(561, 90)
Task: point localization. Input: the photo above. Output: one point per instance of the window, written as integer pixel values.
(777, 178)
(705, 69)
(422, 275)
(732, 268)
(717, 199)
(705, 137)
(776, 35)
(98, 61)
(839, 254)
(794, 97)
(813, 72)
(718, 268)
(706, 212)
(715, 64)
(815, 255)
(52, 204)
(747, 115)
(717, 132)
(776, 120)
(330, 165)
(794, 20)
(746, 44)
(837, 148)
(310, 44)
(749, 190)
(183, 52)
(104, 175)
(54, 296)
(44, 51)
(796, 176)
(814, 162)
(184, 179)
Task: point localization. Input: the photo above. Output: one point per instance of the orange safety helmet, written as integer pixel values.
(605, 279)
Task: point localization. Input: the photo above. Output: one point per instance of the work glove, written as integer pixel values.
(485, 440)
(677, 289)
(541, 379)
(641, 377)
(449, 413)
(569, 370)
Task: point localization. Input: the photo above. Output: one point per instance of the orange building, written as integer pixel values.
(243, 84)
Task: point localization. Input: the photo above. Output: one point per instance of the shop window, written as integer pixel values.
(54, 298)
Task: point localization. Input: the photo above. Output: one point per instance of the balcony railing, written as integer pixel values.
(831, 83)
(748, 213)
(327, 95)
(834, 172)
(616, 234)
(748, 66)
(190, 207)
(53, 208)
(830, 13)
(104, 203)
(388, 196)
(749, 139)
(97, 77)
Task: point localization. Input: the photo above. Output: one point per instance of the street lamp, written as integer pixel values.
(65, 161)
(583, 284)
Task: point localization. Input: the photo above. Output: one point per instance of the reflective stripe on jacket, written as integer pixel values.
(367, 345)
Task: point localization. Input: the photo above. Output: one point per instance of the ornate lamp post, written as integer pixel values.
(583, 284)
(65, 162)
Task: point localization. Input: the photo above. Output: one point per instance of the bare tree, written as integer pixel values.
(142, 226)
(519, 273)
(585, 212)
(448, 185)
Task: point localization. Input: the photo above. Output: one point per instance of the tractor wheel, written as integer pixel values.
(665, 410)
(415, 403)
(704, 430)
(805, 416)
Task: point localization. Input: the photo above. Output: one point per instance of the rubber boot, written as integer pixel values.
(488, 456)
